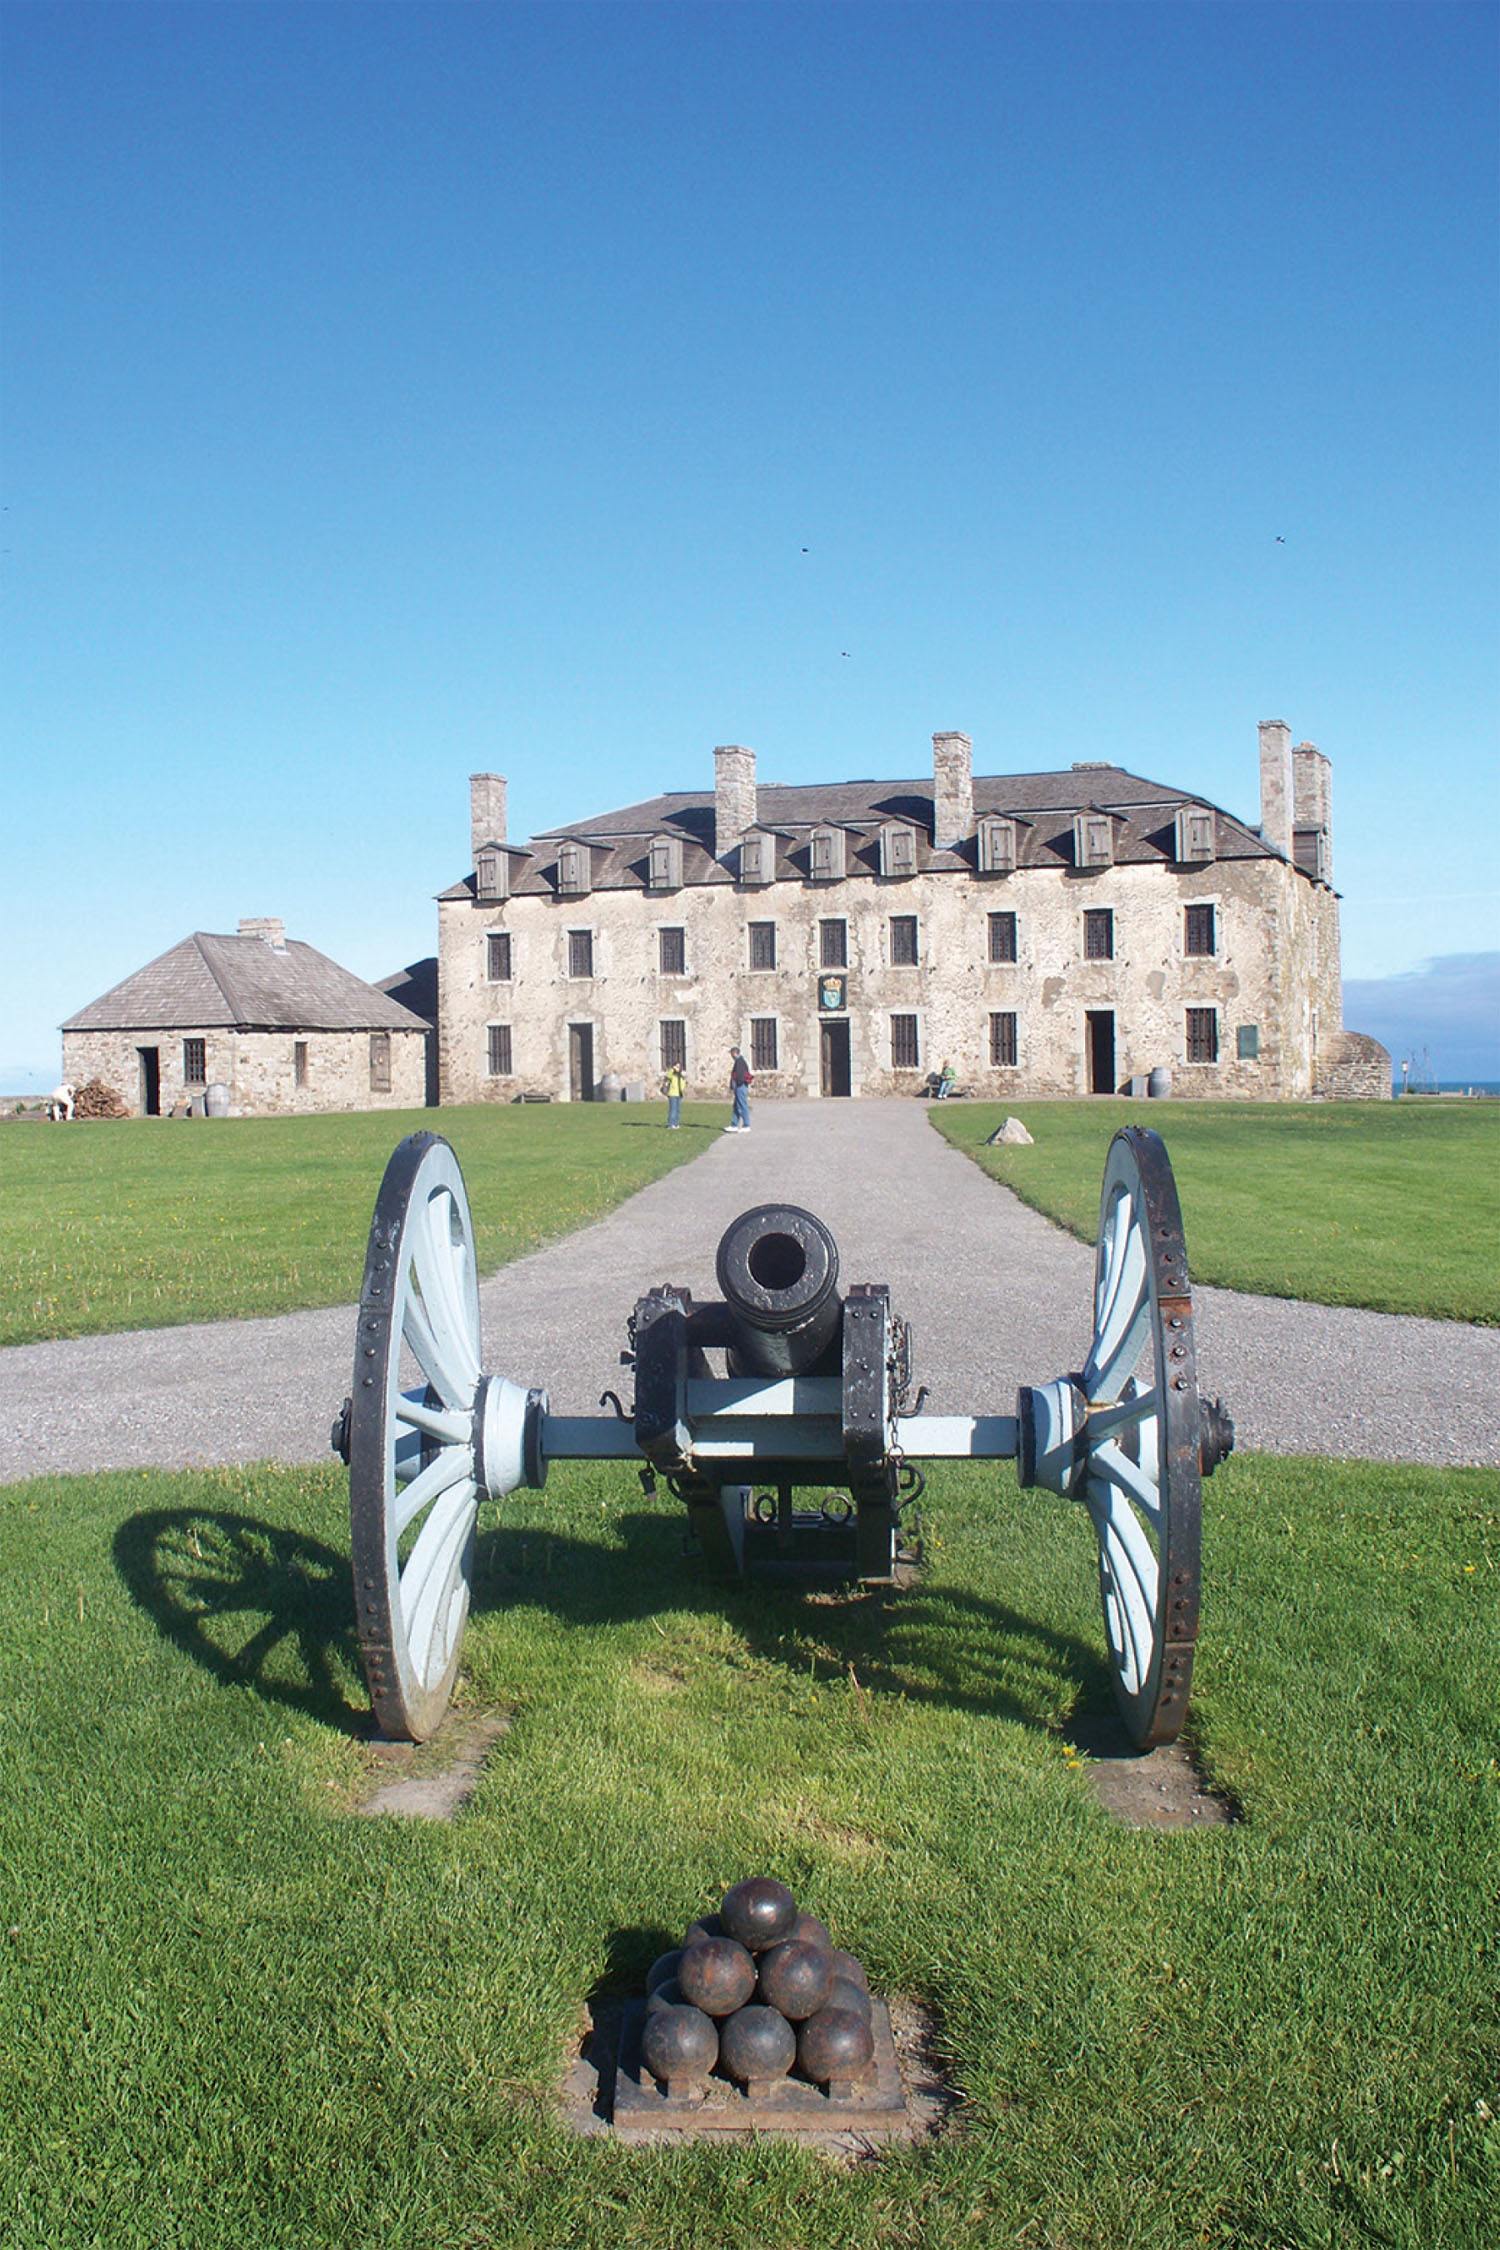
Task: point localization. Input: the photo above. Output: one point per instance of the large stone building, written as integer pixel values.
(1045, 933)
(282, 1028)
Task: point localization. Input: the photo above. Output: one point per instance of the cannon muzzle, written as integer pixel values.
(778, 1269)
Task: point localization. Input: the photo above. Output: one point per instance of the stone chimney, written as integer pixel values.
(952, 790)
(1312, 788)
(1276, 784)
(1312, 810)
(734, 797)
(270, 927)
(486, 811)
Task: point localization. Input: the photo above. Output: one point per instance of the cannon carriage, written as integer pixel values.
(784, 1386)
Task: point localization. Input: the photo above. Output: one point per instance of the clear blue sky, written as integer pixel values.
(393, 391)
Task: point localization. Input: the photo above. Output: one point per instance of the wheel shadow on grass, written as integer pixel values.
(256, 1604)
(262, 1606)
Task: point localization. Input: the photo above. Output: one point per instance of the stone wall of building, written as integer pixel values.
(1271, 982)
(1355, 1068)
(260, 1069)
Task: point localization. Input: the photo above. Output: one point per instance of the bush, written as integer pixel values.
(95, 1099)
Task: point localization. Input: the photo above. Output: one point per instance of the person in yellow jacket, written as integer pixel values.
(674, 1085)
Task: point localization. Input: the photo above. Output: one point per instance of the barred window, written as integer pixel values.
(903, 1043)
(580, 953)
(673, 951)
(1198, 929)
(1099, 934)
(299, 1062)
(498, 949)
(903, 941)
(1004, 1047)
(833, 945)
(673, 1034)
(194, 1061)
(499, 1039)
(762, 945)
(380, 1062)
(1002, 937)
(762, 1042)
(1203, 1035)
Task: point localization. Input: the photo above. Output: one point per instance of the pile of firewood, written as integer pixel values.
(95, 1099)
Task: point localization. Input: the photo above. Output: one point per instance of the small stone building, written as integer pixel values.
(1047, 933)
(285, 1030)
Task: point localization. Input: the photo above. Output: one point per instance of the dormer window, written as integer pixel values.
(573, 869)
(1195, 835)
(1093, 840)
(757, 858)
(664, 866)
(826, 855)
(492, 876)
(898, 849)
(1310, 852)
(997, 846)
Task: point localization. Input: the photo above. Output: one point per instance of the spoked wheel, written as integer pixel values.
(413, 1424)
(1128, 1438)
(1142, 1477)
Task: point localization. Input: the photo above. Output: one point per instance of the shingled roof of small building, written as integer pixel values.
(208, 981)
(1042, 804)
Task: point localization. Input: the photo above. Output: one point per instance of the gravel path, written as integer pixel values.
(996, 1296)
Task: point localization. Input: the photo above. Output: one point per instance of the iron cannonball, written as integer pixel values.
(845, 1965)
(668, 1995)
(679, 2046)
(808, 1930)
(795, 1978)
(707, 1925)
(835, 2043)
(716, 1975)
(758, 1913)
(664, 1966)
(757, 2043)
(845, 1993)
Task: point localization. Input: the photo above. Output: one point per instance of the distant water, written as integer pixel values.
(1459, 1086)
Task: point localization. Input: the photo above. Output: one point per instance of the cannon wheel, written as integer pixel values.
(1141, 1481)
(413, 1492)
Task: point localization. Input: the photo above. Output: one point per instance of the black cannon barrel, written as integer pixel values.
(778, 1267)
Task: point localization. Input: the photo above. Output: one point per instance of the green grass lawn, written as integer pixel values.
(149, 1222)
(1392, 1205)
(231, 2013)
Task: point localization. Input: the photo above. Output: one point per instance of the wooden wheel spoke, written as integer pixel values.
(452, 1465)
(1131, 1478)
(435, 1565)
(421, 1339)
(1133, 1577)
(449, 1428)
(441, 1265)
(1124, 1314)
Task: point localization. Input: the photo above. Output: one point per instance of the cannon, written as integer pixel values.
(782, 1386)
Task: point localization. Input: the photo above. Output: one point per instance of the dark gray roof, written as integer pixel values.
(1043, 805)
(415, 987)
(210, 981)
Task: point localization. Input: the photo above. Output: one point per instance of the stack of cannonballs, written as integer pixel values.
(755, 1991)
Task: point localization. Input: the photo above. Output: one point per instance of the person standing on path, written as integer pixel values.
(739, 1086)
(674, 1083)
